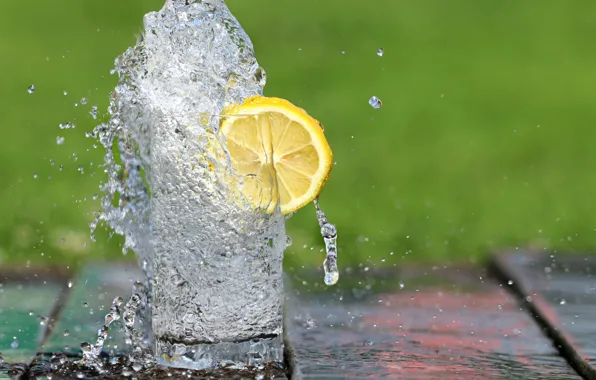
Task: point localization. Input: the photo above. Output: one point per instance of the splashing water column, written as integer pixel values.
(214, 265)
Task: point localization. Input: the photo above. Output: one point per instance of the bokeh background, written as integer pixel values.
(486, 138)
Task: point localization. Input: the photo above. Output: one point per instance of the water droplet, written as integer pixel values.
(563, 302)
(500, 307)
(310, 323)
(331, 277)
(510, 282)
(70, 284)
(65, 92)
(59, 140)
(178, 280)
(343, 52)
(67, 125)
(84, 101)
(261, 76)
(66, 332)
(14, 344)
(35, 175)
(402, 285)
(380, 52)
(375, 102)
(93, 112)
(85, 304)
(31, 89)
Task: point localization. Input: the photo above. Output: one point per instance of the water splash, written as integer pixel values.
(133, 337)
(91, 352)
(166, 192)
(329, 233)
(205, 255)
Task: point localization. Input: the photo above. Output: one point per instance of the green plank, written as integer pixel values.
(22, 307)
(91, 296)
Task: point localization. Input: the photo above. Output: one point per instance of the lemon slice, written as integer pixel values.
(278, 150)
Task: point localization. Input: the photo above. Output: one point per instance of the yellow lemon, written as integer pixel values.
(278, 150)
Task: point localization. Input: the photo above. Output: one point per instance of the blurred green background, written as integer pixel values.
(486, 138)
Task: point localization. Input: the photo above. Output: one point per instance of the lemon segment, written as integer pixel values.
(278, 150)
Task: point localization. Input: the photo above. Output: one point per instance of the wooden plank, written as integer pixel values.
(96, 286)
(27, 308)
(560, 292)
(92, 292)
(449, 324)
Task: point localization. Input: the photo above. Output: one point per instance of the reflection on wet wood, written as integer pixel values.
(29, 303)
(450, 324)
(415, 324)
(92, 292)
(560, 293)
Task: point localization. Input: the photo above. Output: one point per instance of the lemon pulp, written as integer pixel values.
(278, 150)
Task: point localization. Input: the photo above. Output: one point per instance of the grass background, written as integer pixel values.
(485, 139)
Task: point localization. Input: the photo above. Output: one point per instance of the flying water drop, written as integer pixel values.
(375, 102)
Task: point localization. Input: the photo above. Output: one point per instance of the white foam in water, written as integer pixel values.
(214, 265)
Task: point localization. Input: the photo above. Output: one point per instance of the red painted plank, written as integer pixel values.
(441, 324)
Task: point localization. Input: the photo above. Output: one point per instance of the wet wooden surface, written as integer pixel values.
(408, 324)
(443, 323)
(91, 294)
(560, 293)
(29, 300)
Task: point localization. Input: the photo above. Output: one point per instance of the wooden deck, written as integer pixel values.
(527, 316)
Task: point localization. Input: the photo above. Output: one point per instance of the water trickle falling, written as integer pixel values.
(329, 233)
